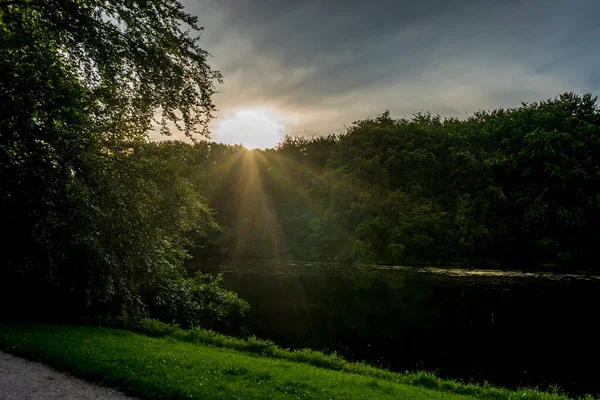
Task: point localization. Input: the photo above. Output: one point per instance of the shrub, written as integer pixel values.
(259, 346)
(200, 301)
(318, 359)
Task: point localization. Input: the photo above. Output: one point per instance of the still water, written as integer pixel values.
(510, 329)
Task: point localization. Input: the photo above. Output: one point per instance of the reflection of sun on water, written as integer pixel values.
(254, 129)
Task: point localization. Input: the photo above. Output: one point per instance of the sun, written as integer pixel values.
(252, 128)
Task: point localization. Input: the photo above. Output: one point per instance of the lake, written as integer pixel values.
(507, 328)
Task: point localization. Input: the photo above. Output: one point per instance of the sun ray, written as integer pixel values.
(257, 207)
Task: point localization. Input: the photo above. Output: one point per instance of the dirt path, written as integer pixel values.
(22, 379)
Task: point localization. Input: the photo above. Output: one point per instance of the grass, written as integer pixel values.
(197, 364)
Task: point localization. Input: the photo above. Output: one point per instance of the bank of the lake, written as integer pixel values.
(167, 367)
(511, 328)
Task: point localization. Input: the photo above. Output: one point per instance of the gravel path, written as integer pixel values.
(22, 379)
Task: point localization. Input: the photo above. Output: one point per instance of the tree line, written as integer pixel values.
(508, 188)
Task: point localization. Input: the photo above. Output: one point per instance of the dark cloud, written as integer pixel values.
(332, 62)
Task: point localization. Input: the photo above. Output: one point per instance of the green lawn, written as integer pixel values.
(160, 368)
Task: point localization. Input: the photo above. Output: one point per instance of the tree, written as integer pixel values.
(133, 57)
(96, 217)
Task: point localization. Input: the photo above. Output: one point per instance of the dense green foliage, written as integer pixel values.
(198, 301)
(212, 366)
(96, 221)
(510, 188)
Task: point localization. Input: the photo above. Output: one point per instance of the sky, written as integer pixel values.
(312, 67)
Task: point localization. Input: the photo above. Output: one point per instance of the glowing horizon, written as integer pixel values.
(252, 128)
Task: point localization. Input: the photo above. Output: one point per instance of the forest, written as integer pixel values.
(509, 188)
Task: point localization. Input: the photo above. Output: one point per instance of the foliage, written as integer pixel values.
(97, 215)
(198, 301)
(135, 58)
(212, 366)
(504, 188)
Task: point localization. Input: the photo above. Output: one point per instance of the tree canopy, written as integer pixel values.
(96, 217)
(510, 188)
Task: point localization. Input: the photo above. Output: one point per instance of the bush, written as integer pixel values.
(148, 326)
(259, 346)
(200, 301)
(318, 359)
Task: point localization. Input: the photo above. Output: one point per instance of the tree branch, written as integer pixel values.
(17, 3)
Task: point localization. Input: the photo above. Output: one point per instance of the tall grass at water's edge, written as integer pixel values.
(253, 345)
(165, 368)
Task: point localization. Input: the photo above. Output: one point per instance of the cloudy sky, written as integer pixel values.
(307, 67)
